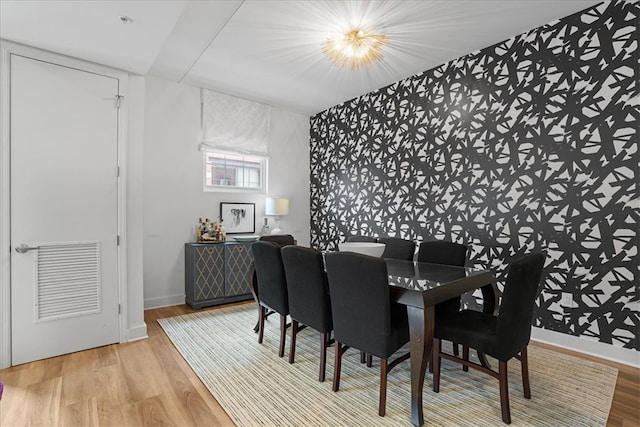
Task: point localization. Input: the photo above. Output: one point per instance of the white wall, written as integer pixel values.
(136, 328)
(289, 173)
(173, 198)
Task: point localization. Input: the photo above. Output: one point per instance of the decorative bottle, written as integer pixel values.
(223, 232)
(265, 228)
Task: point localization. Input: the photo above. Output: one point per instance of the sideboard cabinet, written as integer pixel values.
(217, 273)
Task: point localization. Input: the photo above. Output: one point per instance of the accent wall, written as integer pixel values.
(527, 145)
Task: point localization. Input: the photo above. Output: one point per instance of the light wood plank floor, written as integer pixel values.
(148, 383)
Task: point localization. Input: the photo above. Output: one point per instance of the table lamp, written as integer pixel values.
(277, 207)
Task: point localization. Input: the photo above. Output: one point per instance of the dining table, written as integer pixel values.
(420, 286)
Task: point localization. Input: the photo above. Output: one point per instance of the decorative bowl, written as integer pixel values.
(246, 238)
(365, 248)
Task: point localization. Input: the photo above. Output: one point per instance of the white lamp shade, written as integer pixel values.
(276, 206)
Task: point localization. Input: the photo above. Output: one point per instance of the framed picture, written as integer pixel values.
(238, 217)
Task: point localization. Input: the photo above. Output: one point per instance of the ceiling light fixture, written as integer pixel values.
(355, 47)
(125, 19)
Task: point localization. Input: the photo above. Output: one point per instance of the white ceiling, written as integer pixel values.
(270, 51)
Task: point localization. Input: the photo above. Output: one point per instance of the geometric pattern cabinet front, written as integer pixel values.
(237, 268)
(216, 273)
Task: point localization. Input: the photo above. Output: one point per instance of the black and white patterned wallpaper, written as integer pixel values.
(530, 144)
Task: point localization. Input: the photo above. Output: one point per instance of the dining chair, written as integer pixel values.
(503, 337)
(446, 253)
(271, 286)
(442, 252)
(309, 303)
(359, 238)
(282, 240)
(364, 317)
(398, 248)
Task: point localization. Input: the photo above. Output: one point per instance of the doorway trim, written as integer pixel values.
(6, 50)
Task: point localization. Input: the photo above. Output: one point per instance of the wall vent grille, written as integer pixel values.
(67, 280)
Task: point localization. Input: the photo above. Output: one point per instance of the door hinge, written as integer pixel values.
(117, 100)
(117, 171)
(118, 240)
(119, 309)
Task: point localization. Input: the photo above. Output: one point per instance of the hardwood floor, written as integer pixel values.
(147, 382)
(141, 383)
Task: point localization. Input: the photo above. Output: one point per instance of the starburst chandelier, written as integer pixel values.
(355, 48)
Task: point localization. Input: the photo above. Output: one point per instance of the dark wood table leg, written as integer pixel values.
(490, 298)
(254, 292)
(421, 333)
(483, 360)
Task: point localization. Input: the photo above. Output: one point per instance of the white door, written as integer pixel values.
(64, 223)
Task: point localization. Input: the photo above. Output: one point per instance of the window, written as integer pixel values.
(233, 171)
(235, 142)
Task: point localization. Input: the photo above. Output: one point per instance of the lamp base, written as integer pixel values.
(277, 231)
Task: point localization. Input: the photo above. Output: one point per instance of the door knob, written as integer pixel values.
(23, 249)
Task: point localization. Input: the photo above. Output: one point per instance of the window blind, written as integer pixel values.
(234, 125)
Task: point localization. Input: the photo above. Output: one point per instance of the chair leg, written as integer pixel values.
(283, 334)
(254, 291)
(382, 405)
(363, 357)
(435, 361)
(524, 361)
(455, 349)
(292, 347)
(324, 342)
(369, 360)
(465, 356)
(504, 391)
(337, 366)
(263, 313)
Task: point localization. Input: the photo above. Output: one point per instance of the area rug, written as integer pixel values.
(257, 388)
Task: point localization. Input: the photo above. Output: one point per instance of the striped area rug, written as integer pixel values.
(257, 388)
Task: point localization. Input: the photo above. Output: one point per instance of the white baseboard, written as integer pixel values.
(137, 333)
(592, 348)
(165, 301)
